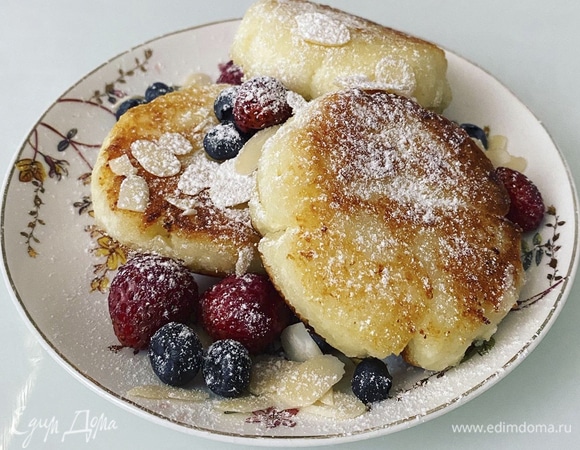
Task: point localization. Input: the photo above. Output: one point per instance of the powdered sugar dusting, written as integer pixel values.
(122, 166)
(226, 186)
(198, 175)
(155, 159)
(175, 143)
(321, 29)
(229, 188)
(373, 166)
(133, 194)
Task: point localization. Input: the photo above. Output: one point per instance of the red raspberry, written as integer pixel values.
(230, 73)
(526, 207)
(146, 293)
(260, 103)
(246, 309)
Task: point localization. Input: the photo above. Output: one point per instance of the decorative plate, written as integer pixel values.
(58, 265)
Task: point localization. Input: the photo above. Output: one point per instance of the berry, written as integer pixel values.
(371, 381)
(245, 308)
(261, 102)
(156, 90)
(224, 141)
(475, 132)
(230, 73)
(224, 104)
(176, 354)
(127, 105)
(146, 293)
(526, 204)
(226, 368)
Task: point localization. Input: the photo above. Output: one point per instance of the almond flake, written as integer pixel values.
(345, 406)
(198, 175)
(197, 79)
(307, 382)
(245, 257)
(318, 28)
(185, 204)
(133, 194)
(175, 143)
(265, 374)
(229, 188)
(298, 343)
(122, 166)
(155, 392)
(155, 159)
(247, 160)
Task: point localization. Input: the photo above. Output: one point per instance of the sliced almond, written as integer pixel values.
(318, 28)
(175, 143)
(156, 392)
(298, 344)
(308, 382)
(133, 194)
(345, 406)
(265, 374)
(228, 188)
(198, 78)
(198, 175)
(122, 166)
(327, 399)
(155, 159)
(247, 160)
(499, 155)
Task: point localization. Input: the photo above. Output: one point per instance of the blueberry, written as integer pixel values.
(157, 90)
(475, 132)
(176, 354)
(371, 380)
(227, 367)
(223, 106)
(224, 141)
(127, 105)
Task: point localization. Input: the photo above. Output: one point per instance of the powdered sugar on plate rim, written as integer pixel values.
(72, 324)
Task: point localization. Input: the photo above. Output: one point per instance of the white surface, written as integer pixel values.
(47, 46)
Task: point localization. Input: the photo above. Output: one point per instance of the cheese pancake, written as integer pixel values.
(314, 49)
(152, 187)
(384, 228)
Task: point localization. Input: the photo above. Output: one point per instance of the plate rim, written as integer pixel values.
(302, 440)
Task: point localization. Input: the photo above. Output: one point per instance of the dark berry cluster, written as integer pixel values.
(154, 299)
(151, 93)
(527, 207)
(243, 109)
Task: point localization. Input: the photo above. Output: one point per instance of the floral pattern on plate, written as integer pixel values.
(48, 235)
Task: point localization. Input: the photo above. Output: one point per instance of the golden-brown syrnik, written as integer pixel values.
(314, 49)
(384, 228)
(209, 239)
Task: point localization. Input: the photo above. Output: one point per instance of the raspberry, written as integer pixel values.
(261, 102)
(246, 309)
(526, 207)
(146, 293)
(230, 73)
